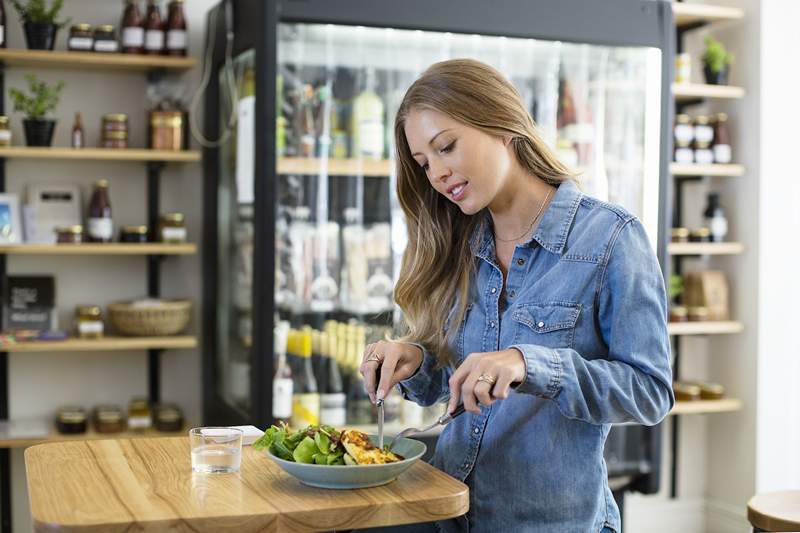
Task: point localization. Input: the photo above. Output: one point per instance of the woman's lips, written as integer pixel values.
(457, 193)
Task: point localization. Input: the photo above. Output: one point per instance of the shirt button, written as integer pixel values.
(491, 324)
(494, 290)
(520, 261)
(540, 324)
(476, 431)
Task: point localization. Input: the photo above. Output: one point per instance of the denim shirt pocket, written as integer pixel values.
(546, 324)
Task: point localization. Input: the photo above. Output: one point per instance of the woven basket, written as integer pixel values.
(170, 317)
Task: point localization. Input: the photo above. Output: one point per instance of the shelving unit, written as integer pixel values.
(24, 442)
(687, 17)
(334, 167)
(154, 67)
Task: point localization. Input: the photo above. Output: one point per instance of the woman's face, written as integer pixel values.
(464, 164)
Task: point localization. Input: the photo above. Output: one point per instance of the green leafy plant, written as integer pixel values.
(43, 98)
(675, 286)
(715, 55)
(36, 11)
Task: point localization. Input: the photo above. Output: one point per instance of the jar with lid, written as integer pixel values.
(176, 29)
(722, 140)
(139, 416)
(71, 420)
(166, 130)
(153, 29)
(680, 235)
(698, 313)
(683, 135)
(81, 38)
(168, 417)
(686, 392)
(105, 39)
(703, 137)
(678, 313)
(132, 29)
(5, 131)
(172, 228)
(700, 235)
(683, 67)
(88, 322)
(133, 234)
(108, 419)
(114, 131)
(69, 235)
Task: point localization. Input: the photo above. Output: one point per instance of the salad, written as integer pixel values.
(323, 445)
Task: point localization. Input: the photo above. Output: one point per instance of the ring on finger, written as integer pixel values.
(373, 357)
(486, 378)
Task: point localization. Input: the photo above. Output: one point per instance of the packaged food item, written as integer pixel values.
(108, 419)
(105, 39)
(114, 131)
(133, 234)
(678, 313)
(168, 417)
(714, 217)
(700, 235)
(71, 420)
(176, 29)
(680, 235)
(88, 321)
(5, 132)
(703, 138)
(81, 38)
(707, 290)
(101, 226)
(683, 67)
(683, 134)
(69, 235)
(166, 130)
(154, 29)
(722, 140)
(139, 415)
(78, 138)
(132, 29)
(172, 228)
(698, 313)
(686, 392)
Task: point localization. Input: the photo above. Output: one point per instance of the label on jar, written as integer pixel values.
(154, 40)
(684, 155)
(133, 37)
(703, 133)
(722, 153)
(89, 327)
(139, 422)
(684, 134)
(81, 43)
(173, 234)
(176, 40)
(101, 228)
(5, 136)
(718, 227)
(106, 46)
(703, 156)
(282, 389)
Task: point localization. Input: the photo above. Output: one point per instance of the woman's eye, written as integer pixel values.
(425, 167)
(448, 148)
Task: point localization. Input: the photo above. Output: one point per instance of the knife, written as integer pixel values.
(379, 405)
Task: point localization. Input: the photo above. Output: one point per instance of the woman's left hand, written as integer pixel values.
(485, 377)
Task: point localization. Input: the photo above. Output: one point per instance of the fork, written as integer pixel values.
(442, 421)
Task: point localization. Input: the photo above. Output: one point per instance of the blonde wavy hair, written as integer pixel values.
(438, 263)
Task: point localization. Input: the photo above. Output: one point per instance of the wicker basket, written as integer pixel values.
(170, 317)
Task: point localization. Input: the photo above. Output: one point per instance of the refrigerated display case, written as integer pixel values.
(303, 232)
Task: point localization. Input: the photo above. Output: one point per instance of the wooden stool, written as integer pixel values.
(775, 511)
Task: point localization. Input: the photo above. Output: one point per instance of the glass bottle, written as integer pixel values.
(78, 138)
(176, 29)
(714, 217)
(359, 406)
(101, 227)
(722, 140)
(333, 401)
(132, 32)
(282, 384)
(367, 121)
(3, 31)
(305, 396)
(154, 29)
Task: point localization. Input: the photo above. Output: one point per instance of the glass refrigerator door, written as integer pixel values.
(340, 232)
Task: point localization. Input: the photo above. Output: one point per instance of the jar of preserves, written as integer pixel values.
(678, 313)
(166, 130)
(132, 29)
(680, 235)
(176, 29)
(172, 228)
(168, 417)
(711, 391)
(698, 313)
(686, 392)
(683, 67)
(81, 38)
(71, 420)
(109, 419)
(88, 322)
(700, 235)
(115, 139)
(5, 131)
(139, 417)
(115, 122)
(133, 234)
(105, 39)
(69, 235)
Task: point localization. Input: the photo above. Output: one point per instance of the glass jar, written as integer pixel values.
(115, 139)
(139, 416)
(172, 228)
(683, 67)
(680, 235)
(71, 420)
(700, 235)
(114, 131)
(109, 419)
(678, 313)
(698, 313)
(133, 234)
(80, 38)
(711, 391)
(166, 130)
(88, 322)
(105, 39)
(5, 131)
(168, 417)
(115, 122)
(69, 235)
(686, 392)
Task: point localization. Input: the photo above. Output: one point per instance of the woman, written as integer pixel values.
(552, 302)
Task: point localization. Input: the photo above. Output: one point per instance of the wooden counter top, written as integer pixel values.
(148, 485)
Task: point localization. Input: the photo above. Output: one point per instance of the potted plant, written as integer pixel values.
(40, 22)
(716, 62)
(43, 99)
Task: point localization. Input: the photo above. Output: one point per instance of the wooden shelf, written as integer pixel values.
(705, 248)
(705, 328)
(692, 91)
(706, 406)
(336, 167)
(691, 169)
(686, 14)
(92, 60)
(101, 154)
(99, 249)
(104, 344)
(89, 435)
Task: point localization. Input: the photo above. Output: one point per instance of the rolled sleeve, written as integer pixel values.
(543, 370)
(428, 385)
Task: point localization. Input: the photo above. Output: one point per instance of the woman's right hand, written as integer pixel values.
(386, 364)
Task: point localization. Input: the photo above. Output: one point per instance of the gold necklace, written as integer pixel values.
(549, 190)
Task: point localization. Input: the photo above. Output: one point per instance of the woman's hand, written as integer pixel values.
(485, 378)
(395, 360)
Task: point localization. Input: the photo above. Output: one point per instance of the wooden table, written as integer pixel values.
(775, 511)
(147, 485)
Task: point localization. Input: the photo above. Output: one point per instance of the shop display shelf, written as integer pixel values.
(692, 169)
(54, 436)
(692, 91)
(101, 154)
(705, 328)
(705, 248)
(706, 406)
(335, 167)
(12, 57)
(99, 249)
(103, 344)
(693, 15)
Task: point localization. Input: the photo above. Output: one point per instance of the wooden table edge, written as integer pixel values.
(770, 523)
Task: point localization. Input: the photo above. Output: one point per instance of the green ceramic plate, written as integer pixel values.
(358, 476)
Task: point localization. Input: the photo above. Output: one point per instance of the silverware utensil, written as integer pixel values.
(379, 405)
(442, 421)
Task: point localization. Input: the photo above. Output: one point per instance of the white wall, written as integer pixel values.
(39, 383)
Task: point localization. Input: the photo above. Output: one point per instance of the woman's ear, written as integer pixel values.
(507, 139)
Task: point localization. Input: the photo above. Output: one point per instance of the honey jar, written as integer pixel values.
(172, 228)
(88, 322)
(139, 416)
(108, 419)
(69, 235)
(166, 130)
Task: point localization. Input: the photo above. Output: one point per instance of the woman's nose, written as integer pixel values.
(439, 171)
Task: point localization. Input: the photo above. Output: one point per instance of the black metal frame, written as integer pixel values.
(611, 23)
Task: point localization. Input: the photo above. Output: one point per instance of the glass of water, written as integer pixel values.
(216, 450)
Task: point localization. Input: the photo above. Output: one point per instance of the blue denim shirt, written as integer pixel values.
(585, 304)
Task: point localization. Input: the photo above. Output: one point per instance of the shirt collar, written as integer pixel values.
(553, 228)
